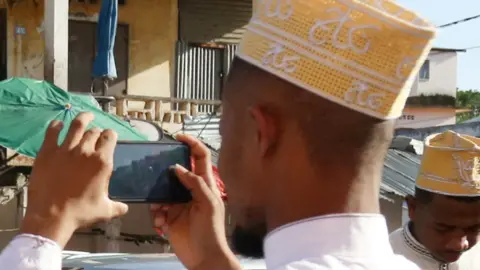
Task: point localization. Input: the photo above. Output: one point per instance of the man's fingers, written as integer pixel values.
(159, 216)
(158, 207)
(159, 219)
(155, 207)
(202, 160)
(118, 209)
(106, 144)
(77, 129)
(162, 231)
(51, 136)
(201, 156)
(89, 140)
(201, 192)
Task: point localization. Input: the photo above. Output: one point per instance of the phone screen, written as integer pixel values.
(142, 172)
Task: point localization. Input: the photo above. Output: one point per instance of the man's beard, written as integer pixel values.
(249, 242)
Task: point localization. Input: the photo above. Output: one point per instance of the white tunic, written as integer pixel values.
(405, 244)
(339, 242)
(336, 242)
(29, 252)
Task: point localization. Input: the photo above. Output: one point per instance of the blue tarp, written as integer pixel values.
(104, 65)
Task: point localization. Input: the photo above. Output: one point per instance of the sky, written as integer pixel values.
(461, 36)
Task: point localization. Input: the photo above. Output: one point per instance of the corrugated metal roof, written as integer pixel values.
(473, 120)
(472, 129)
(214, 151)
(206, 128)
(219, 21)
(399, 173)
(438, 49)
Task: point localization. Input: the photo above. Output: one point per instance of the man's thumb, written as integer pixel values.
(118, 209)
(196, 184)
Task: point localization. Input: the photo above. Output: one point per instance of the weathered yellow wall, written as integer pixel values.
(153, 32)
(8, 222)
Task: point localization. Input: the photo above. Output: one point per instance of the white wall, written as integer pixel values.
(392, 210)
(443, 75)
(8, 221)
(426, 118)
(443, 81)
(414, 88)
(405, 217)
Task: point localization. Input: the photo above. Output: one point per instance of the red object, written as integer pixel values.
(220, 185)
(159, 232)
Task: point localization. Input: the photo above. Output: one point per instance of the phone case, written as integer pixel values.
(178, 192)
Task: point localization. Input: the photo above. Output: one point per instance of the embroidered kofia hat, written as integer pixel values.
(450, 165)
(362, 54)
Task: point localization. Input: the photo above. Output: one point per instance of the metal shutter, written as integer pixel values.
(217, 21)
(200, 72)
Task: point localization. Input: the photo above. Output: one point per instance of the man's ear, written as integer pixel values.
(266, 129)
(412, 206)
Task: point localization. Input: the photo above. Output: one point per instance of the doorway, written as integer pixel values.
(3, 44)
(81, 55)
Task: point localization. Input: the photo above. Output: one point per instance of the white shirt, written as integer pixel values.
(347, 241)
(30, 252)
(404, 243)
(353, 242)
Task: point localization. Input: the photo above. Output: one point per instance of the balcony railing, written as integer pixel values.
(156, 109)
(162, 109)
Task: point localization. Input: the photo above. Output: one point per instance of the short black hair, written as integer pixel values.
(327, 127)
(425, 197)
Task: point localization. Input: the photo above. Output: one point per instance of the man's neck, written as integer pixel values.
(311, 197)
(411, 228)
(414, 234)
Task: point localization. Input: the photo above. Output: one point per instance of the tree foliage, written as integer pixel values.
(467, 99)
(431, 100)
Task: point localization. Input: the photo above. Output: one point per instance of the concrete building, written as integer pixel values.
(144, 51)
(432, 98)
(179, 48)
(55, 40)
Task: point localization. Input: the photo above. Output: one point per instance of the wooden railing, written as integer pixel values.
(161, 109)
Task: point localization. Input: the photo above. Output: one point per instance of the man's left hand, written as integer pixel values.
(69, 183)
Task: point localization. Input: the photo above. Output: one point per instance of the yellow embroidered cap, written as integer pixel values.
(363, 54)
(450, 165)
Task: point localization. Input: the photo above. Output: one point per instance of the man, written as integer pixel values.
(69, 189)
(444, 214)
(305, 135)
(309, 111)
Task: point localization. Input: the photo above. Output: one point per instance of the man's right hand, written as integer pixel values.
(197, 230)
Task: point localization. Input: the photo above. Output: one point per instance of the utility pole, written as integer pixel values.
(56, 42)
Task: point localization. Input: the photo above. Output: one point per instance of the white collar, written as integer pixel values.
(340, 235)
(413, 244)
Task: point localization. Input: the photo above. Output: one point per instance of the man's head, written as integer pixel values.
(307, 112)
(286, 151)
(445, 211)
(446, 225)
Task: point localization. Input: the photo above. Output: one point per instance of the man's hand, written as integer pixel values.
(197, 230)
(69, 183)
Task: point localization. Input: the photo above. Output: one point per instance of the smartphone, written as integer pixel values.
(142, 172)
